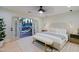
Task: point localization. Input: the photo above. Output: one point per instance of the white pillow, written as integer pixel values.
(58, 30)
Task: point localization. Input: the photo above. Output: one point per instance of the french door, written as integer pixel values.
(23, 27)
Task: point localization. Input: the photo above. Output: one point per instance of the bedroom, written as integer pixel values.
(59, 17)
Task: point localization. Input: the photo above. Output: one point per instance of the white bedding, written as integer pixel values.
(51, 37)
(62, 36)
(57, 38)
(43, 38)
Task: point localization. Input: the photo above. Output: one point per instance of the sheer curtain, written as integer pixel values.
(34, 27)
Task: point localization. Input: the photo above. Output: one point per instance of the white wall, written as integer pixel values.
(71, 18)
(7, 15)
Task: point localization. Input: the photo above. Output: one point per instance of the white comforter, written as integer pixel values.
(58, 40)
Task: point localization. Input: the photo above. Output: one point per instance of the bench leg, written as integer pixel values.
(45, 48)
(51, 49)
(33, 41)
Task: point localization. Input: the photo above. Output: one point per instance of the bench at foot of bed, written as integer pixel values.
(46, 46)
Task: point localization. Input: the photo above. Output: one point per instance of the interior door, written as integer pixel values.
(14, 28)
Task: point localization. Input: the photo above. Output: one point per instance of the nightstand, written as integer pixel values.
(44, 30)
(74, 38)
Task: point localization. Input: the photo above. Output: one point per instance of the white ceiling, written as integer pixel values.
(50, 10)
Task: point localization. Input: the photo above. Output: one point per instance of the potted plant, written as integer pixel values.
(2, 32)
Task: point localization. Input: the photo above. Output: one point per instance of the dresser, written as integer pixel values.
(76, 36)
(44, 30)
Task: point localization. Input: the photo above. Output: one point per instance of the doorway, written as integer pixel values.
(25, 27)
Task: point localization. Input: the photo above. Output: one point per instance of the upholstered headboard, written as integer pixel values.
(60, 25)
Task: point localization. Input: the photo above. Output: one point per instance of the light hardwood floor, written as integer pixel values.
(26, 45)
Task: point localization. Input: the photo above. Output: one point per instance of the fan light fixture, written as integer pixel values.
(41, 10)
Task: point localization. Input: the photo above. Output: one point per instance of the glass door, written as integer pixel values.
(25, 27)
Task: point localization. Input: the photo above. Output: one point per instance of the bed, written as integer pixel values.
(55, 37)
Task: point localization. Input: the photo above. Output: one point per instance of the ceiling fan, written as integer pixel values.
(41, 10)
